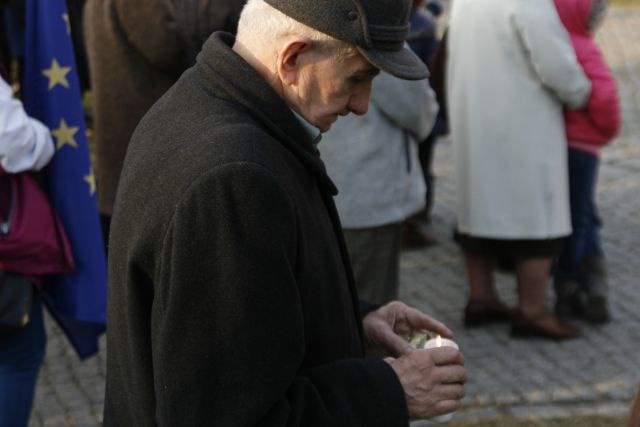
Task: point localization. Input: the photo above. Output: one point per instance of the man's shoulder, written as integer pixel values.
(190, 120)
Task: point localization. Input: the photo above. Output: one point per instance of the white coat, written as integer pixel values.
(511, 68)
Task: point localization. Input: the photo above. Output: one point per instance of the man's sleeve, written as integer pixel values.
(550, 51)
(227, 322)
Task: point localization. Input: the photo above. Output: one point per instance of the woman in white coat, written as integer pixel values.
(511, 68)
(25, 145)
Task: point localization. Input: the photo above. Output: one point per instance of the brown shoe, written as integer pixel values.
(478, 313)
(546, 325)
(416, 236)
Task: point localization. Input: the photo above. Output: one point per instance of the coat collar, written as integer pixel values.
(230, 77)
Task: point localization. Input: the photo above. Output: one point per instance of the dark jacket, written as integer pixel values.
(423, 39)
(231, 297)
(137, 49)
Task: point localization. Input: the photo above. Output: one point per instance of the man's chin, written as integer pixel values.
(324, 127)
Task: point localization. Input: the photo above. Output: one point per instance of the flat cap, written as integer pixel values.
(377, 28)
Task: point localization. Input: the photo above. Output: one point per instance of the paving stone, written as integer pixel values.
(58, 421)
(607, 409)
(483, 414)
(82, 416)
(539, 412)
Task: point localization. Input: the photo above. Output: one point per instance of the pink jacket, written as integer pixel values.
(599, 122)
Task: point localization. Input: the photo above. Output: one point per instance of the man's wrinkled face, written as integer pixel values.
(328, 88)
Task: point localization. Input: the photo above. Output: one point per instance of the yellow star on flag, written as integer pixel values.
(91, 180)
(57, 74)
(65, 18)
(65, 135)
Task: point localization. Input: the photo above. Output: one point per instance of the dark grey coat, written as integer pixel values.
(231, 298)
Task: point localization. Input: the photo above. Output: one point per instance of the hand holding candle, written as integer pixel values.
(422, 341)
(437, 342)
(432, 380)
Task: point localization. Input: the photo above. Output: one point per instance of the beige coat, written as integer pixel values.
(137, 49)
(511, 69)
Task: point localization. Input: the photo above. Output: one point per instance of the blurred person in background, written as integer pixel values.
(25, 145)
(424, 41)
(373, 160)
(511, 70)
(580, 276)
(137, 49)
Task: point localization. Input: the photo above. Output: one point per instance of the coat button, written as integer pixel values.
(352, 16)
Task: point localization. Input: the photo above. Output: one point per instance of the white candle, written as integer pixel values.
(436, 342)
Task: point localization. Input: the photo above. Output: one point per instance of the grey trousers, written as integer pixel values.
(375, 256)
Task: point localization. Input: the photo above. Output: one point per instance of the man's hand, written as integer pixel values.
(433, 381)
(385, 329)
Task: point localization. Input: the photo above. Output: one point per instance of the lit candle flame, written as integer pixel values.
(438, 341)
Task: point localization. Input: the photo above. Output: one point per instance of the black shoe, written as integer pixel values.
(416, 236)
(592, 279)
(478, 313)
(569, 303)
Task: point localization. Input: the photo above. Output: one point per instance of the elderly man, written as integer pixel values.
(232, 301)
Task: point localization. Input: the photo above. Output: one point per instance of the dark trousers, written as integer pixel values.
(105, 224)
(21, 354)
(585, 238)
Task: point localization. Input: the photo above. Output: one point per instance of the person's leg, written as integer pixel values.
(483, 306)
(425, 154)
(581, 185)
(591, 271)
(416, 233)
(21, 355)
(533, 275)
(374, 254)
(533, 317)
(480, 270)
(105, 224)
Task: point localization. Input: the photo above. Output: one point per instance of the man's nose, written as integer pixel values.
(359, 105)
(359, 102)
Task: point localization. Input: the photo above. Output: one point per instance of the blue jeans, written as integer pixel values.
(21, 354)
(585, 239)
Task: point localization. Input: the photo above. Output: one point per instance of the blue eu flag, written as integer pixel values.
(52, 94)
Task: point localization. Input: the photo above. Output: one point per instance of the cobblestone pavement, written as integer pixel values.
(596, 374)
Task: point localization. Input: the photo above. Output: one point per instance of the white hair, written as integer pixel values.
(261, 24)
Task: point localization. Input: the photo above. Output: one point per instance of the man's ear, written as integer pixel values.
(289, 61)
